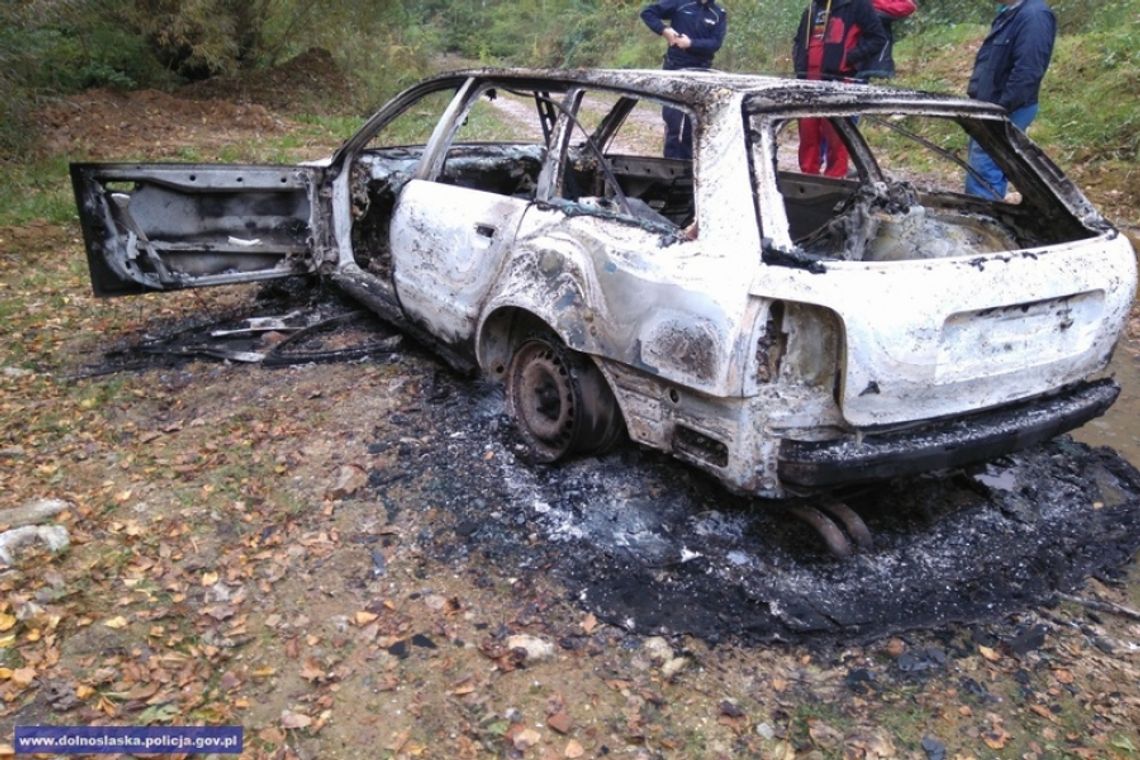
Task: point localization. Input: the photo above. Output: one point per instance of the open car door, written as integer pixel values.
(170, 226)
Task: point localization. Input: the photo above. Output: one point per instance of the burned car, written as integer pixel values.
(785, 332)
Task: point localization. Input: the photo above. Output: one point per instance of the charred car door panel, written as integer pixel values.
(170, 226)
(448, 245)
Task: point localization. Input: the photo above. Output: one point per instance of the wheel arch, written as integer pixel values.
(500, 332)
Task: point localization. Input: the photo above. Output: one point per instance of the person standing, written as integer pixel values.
(1008, 71)
(834, 41)
(889, 11)
(695, 31)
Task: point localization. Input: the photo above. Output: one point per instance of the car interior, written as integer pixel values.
(902, 196)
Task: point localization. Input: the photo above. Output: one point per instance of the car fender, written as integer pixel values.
(634, 316)
(550, 282)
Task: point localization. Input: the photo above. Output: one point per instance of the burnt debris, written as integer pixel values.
(655, 547)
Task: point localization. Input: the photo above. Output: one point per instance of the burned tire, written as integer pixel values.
(559, 400)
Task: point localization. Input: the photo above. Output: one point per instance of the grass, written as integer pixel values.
(36, 190)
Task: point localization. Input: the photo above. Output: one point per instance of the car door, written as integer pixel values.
(456, 221)
(170, 226)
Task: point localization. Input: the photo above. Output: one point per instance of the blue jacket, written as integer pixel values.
(1015, 55)
(703, 23)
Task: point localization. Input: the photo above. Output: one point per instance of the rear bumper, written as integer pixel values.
(941, 445)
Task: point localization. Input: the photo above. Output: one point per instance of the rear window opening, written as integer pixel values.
(901, 194)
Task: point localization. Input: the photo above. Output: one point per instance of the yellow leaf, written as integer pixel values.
(6, 621)
(5, 674)
(364, 617)
(23, 676)
(83, 691)
(6, 642)
(116, 622)
(209, 578)
(995, 741)
(989, 654)
(264, 672)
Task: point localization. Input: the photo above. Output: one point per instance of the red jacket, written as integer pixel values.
(853, 37)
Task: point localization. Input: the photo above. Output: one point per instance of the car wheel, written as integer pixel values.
(560, 401)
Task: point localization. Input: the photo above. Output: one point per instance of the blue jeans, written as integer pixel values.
(985, 166)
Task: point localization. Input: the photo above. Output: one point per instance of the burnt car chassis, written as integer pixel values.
(785, 332)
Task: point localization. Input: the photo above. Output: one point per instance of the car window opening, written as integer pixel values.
(620, 160)
(901, 197)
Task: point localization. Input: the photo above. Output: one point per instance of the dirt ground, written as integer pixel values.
(347, 559)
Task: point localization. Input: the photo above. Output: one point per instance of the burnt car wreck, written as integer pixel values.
(784, 332)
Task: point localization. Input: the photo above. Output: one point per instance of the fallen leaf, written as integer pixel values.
(1062, 675)
(824, 736)
(6, 621)
(996, 739)
(311, 670)
(589, 623)
(271, 735)
(116, 622)
(209, 578)
(364, 617)
(989, 654)
(291, 719)
(560, 722)
(399, 740)
(528, 737)
(573, 750)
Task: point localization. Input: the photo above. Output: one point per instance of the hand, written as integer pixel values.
(682, 41)
(670, 35)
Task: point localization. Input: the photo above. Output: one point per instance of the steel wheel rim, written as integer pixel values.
(544, 398)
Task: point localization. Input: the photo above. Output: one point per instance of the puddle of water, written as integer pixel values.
(1120, 426)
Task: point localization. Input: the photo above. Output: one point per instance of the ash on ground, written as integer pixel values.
(648, 544)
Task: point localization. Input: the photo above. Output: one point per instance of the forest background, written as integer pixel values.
(1090, 117)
